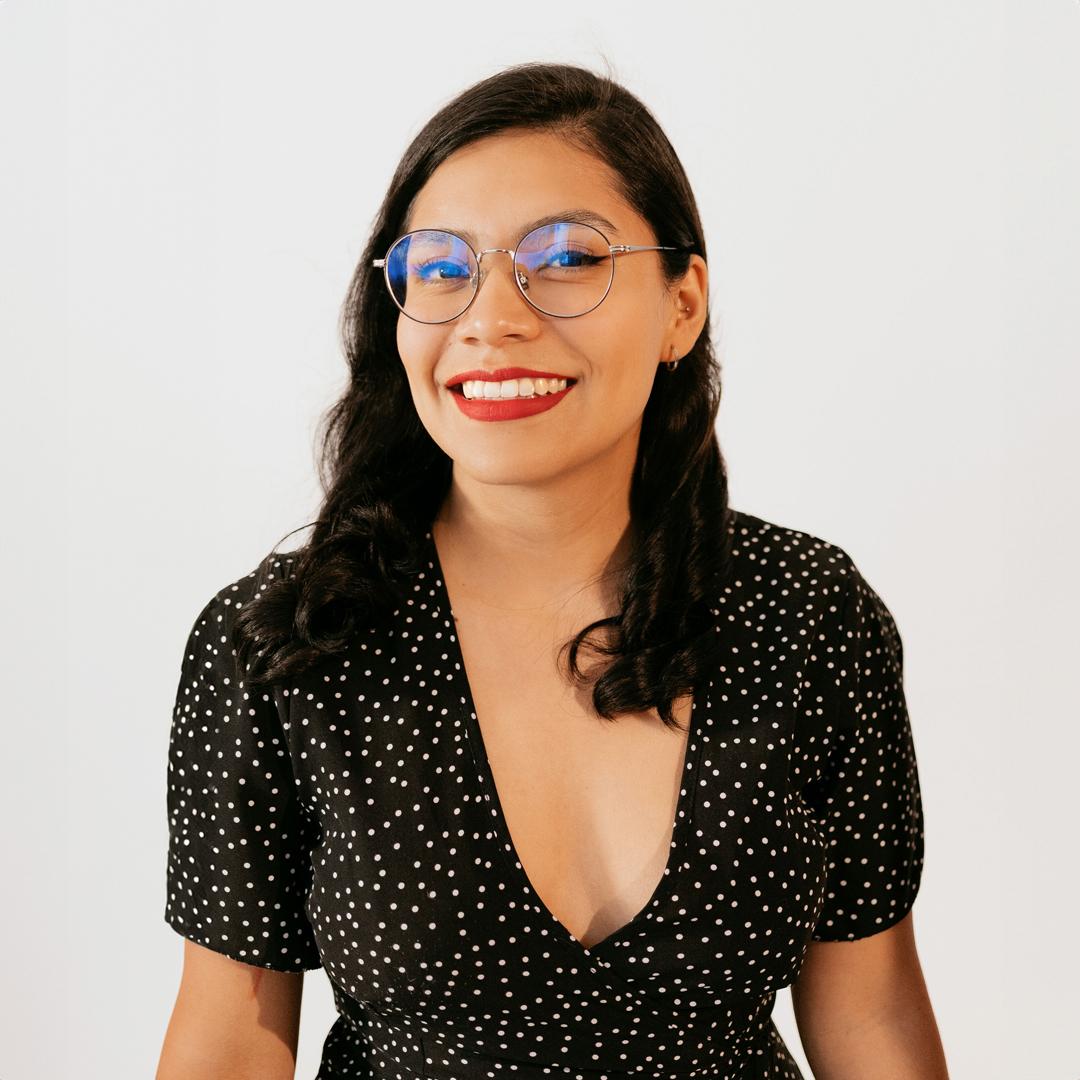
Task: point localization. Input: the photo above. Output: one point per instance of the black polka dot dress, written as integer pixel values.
(349, 820)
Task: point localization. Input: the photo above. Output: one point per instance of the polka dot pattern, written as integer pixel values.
(349, 820)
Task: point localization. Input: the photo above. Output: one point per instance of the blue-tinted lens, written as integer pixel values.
(431, 274)
(562, 269)
(566, 268)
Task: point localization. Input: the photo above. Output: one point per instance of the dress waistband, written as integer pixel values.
(366, 1046)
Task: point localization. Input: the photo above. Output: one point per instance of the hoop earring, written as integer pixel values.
(671, 364)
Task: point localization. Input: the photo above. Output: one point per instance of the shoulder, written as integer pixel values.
(211, 665)
(211, 632)
(276, 566)
(817, 584)
(767, 553)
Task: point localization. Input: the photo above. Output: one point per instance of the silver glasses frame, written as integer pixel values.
(613, 249)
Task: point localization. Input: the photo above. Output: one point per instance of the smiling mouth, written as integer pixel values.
(510, 389)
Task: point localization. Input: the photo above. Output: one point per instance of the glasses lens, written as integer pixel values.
(431, 275)
(564, 269)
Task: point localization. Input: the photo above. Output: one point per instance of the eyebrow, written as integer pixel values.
(589, 217)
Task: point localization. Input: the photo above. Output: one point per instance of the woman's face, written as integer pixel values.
(489, 190)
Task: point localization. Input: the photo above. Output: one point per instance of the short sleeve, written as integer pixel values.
(867, 799)
(239, 863)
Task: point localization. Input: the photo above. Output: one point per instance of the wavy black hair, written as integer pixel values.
(384, 478)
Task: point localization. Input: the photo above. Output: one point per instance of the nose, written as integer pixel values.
(516, 276)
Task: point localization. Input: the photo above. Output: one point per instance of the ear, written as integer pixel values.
(690, 303)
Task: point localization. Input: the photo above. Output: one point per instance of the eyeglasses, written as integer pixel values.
(564, 269)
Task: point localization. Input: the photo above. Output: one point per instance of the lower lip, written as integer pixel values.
(508, 408)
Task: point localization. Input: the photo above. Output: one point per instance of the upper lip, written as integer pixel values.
(499, 374)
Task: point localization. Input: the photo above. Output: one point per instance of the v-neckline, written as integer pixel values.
(475, 739)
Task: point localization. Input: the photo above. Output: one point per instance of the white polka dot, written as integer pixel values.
(350, 821)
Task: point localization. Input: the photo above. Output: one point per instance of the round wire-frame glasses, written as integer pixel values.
(613, 249)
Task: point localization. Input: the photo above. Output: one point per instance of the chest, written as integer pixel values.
(589, 803)
(474, 824)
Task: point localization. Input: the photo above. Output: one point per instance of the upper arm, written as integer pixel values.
(862, 1008)
(239, 865)
(865, 797)
(845, 984)
(231, 1019)
(239, 868)
(859, 998)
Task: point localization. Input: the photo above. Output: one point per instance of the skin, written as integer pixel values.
(542, 505)
(863, 1010)
(231, 1021)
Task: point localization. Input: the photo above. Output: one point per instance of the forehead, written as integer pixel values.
(493, 191)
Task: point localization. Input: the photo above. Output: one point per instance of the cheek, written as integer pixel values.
(622, 351)
(419, 353)
(408, 340)
(630, 388)
(629, 321)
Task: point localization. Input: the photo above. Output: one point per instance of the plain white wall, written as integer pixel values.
(890, 199)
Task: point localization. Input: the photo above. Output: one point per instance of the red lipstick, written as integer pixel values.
(508, 408)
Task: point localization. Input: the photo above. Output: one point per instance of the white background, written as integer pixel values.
(890, 193)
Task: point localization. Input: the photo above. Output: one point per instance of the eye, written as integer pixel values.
(443, 269)
(566, 257)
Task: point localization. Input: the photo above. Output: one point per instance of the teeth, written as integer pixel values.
(512, 388)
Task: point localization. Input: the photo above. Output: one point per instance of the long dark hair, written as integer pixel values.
(384, 478)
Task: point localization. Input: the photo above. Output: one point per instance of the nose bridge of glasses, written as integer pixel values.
(481, 273)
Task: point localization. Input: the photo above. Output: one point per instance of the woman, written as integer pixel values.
(387, 757)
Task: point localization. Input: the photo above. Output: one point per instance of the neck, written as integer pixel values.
(523, 549)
